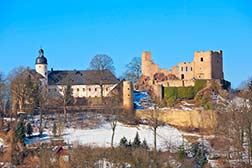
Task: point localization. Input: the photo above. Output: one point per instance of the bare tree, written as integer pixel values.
(18, 89)
(154, 124)
(101, 63)
(27, 92)
(67, 99)
(112, 107)
(133, 70)
(3, 95)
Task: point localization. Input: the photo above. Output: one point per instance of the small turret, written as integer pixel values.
(41, 64)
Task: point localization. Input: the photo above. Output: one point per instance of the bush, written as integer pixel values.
(123, 142)
(171, 94)
(182, 153)
(186, 92)
(199, 84)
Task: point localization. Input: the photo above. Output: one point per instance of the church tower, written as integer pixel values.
(41, 64)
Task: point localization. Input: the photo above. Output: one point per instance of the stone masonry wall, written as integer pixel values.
(205, 119)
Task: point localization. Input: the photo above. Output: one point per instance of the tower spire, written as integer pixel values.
(41, 52)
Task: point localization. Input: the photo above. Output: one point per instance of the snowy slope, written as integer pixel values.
(168, 137)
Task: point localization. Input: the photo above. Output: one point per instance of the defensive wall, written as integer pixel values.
(205, 119)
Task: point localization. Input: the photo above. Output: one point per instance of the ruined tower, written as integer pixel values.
(148, 66)
(128, 96)
(208, 65)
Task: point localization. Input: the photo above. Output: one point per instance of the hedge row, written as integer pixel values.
(171, 94)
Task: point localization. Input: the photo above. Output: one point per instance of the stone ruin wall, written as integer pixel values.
(207, 65)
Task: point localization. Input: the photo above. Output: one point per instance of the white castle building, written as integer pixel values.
(84, 83)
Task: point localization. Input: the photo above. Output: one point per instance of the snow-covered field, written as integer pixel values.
(167, 136)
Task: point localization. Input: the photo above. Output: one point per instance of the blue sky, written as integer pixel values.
(72, 32)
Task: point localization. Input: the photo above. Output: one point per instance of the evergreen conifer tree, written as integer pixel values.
(29, 129)
(20, 130)
(137, 141)
(145, 145)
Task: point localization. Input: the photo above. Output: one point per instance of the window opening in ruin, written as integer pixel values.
(182, 76)
(201, 59)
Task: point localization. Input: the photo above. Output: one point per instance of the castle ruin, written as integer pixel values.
(206, 65)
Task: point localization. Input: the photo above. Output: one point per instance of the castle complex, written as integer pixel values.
(85, 84)
(206, 65)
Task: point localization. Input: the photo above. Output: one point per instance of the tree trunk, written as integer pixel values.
(155, 138)
(113, 134)
(101, 86)
(40, 124)
(65, 114)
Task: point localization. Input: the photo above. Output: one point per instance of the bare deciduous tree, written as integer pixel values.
(67, 99)
(3, 96)
(102, 62)
(133, 70)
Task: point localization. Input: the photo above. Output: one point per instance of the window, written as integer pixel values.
(191, 68)
(106, 89)
(181, 68)
(186, 68)
(95, 89)
(89, 89)
(201, 59)
(83, 89)
(78, 89)
(182, 76)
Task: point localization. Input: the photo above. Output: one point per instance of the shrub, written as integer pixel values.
(123, 142)
(199, 84)
(182, 152)
(186, 92)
